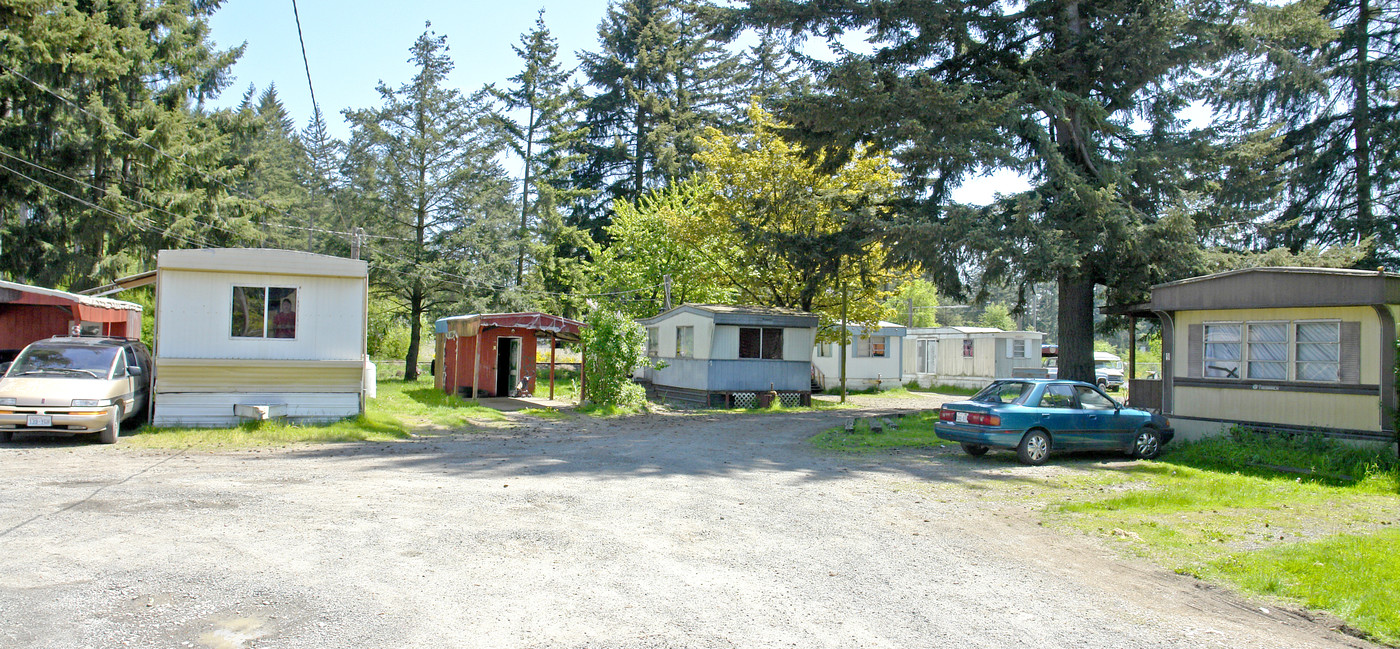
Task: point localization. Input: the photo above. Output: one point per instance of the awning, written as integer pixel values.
(468, 325)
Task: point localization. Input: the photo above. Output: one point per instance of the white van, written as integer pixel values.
(1108, 369)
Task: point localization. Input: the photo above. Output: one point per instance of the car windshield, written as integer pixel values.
(57, 360)
(1003, 392)
(1108, 365)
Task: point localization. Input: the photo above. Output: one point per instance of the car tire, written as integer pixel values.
(1147, 444)
(1103, 385)
(975, 450)
(1034, 448)
(113, 430)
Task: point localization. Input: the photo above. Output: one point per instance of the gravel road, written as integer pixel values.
(663, 530)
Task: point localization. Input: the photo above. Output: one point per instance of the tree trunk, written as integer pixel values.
(1076, 319)
(525, 197)
(415, 335)
(1361, 122)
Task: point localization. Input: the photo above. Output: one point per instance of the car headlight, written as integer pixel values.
(7, 401)
(90, 403)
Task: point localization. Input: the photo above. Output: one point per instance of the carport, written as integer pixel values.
(30, 313)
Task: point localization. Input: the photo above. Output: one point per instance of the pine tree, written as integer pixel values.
(136, 69)
(1051, 90)
(1318, 81)
(659, 80)
(425, 165)
(543, 93)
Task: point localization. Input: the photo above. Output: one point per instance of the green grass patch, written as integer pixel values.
(915, 431)
(913, 386)
(596, 410)
(1223, 509)
(1354, 576)
(398, 409)
(545, 413)
(365, 428)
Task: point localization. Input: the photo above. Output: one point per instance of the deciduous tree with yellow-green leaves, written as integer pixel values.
(797, 232)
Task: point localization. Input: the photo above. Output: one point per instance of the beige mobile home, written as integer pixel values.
(256, 333)
(1280, 349)
(874, 359)
(969, 357)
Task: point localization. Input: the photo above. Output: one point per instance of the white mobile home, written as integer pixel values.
(256, 333)
(720, 355)
(970, 357)
(874, 359)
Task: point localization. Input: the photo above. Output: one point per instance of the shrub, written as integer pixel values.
(614, 346)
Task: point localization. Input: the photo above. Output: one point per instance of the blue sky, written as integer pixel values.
(352, 45)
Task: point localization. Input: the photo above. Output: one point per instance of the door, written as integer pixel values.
(1104, 426)
(1060, 414)
(507, 366)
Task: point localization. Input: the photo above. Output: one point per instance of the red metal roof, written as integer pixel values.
(561, 327)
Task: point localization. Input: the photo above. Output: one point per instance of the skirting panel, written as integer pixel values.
(211, 409)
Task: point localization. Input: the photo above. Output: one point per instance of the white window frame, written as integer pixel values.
(969, 348)
(1011, 351)
(1205, 345)
(653, 341)
(267, 321)
(1293, 349)
(681, 351)
(865, 347)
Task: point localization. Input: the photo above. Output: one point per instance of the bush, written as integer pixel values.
(614, 346)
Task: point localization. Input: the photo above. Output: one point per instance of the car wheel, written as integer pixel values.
(1034, 449)
(1148, 444)
(975, 450)
(1103, 385)
(113, 430)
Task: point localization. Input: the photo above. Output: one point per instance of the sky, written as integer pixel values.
(352, 45)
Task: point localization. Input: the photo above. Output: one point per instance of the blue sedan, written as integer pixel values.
(1036, 416)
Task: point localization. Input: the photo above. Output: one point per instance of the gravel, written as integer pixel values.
(662, 530)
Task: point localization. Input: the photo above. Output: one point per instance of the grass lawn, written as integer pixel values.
(914, 431)
(399, 409)
(1220, 510)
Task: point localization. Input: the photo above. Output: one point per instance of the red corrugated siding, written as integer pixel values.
(457, 369)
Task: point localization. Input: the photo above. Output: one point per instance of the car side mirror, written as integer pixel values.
(134, 370)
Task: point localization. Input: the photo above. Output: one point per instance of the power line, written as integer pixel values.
(151, 226)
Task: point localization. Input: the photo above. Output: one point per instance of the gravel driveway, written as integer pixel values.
(666, 530)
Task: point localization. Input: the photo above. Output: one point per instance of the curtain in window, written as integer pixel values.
(1268, 351)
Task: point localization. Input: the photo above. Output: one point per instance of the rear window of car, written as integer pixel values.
(1014, 392)
(58, 360)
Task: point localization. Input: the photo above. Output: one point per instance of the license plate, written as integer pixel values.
(961, 418)
(39, 420)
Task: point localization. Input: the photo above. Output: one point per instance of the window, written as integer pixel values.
(1016, 349)
(1319, 346)
(1268, 351)
(871, 346)
(1222, 351)
(967, 348)
(1091, 399)
(1057, 395)
(653, 341)
(264, 312)
(685, 342)
(928, 356)
(761, 343)
(824, 349)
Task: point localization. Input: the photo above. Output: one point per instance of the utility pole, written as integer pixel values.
(844, 331)
(357, 238)
(911, 313)
(666, 281)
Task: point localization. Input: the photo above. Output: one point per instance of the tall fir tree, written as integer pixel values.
(108, 153)
(546, 101)
(424, 163)
(659, 79)
(1057, 91)
(1317, 81)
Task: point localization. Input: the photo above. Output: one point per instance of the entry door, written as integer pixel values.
(507, 366)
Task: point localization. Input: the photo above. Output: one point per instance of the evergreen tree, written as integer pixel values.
(543, 93)
(425, 165)
(659, 80)
(1318, 81)
(1080, 96)
(79, 196)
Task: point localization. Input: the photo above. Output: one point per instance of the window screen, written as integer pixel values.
(1222, 351)
(761, 343)
(1268, 351)
(685, 342)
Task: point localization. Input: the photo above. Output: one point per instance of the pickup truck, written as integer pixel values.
(1108, 370)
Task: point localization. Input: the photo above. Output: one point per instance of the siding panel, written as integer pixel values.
(1195, 350)
(209, 376)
